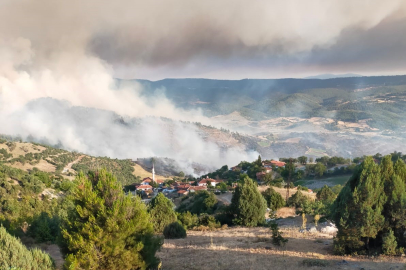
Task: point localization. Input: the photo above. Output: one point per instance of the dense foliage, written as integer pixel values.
(248, 206)
(174, 231)
(201, 202)
(273, 199)
(161, 212)
(107, 229)
(370, 210)
(14, 255)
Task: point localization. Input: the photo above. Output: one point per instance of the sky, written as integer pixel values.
(227, 39)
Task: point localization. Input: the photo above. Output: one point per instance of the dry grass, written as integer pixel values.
(251, 248)
(139, 171)
(292, 191)
(42, 165)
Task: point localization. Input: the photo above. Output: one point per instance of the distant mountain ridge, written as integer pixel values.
(331, 76)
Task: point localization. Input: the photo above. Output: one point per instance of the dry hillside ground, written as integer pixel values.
(251, 248)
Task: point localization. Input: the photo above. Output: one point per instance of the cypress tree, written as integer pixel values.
(358, 209)
(248, 205)
(107, 229)
(395, 208)
(162, 213)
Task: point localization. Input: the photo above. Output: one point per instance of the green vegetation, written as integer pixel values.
(14, 255)
(248, 206)
(199, 203)
(273, 199)
(370, 209)
(107, 229)
(174, 231)
(277, 238)
(122, 169)
(161, 212)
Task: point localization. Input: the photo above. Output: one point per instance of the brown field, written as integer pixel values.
(139, 171)
(42, 165)
(251, 248)
(292, 191)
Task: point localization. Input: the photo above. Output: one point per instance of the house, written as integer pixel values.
(183, 187)
(194, 188)
(144, 187)
(147, 181)
(183, 192)
(278, 163)
(213, 182)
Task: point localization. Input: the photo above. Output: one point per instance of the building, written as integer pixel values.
(205, 181)
(194, 188)
(144, 187)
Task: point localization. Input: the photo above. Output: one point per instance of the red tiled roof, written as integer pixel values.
(182, 191)
(278, 163)
(144, 187)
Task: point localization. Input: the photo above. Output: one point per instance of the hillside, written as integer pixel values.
(63, 164)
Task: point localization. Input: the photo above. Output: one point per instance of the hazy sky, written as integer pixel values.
(228, 39)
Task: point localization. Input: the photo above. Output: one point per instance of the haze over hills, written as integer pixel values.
(330, 76)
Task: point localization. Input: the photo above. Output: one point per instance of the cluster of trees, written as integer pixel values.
(122, 169)
(370, 211)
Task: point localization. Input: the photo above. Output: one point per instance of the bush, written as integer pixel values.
(277, 238)
(298, 199)
(273, 199)
(14, 255)
(188, 219)
(174, 231)
(389, 244)
(161, 211)
(209, 221)
(299, 187)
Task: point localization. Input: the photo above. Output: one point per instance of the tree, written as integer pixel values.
(357, 211)
(325, 194)
(161, 212)
(302, 160)
(319, 169)
(297, 199)
(274, 199)
(107, 229)
(14, 255)
(389, 244)
(222, 186)
(277, 238)
(247, 205)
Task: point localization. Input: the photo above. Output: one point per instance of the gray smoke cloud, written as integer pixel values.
(71, 50)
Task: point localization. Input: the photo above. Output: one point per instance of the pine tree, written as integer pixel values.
(400, 169)
(247, 205)
(14, 255)
(162, 213)
(107, 229)
(325, 194)
(358, 209)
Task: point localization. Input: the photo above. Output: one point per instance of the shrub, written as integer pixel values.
(277, 238)
(209, 221)
(389, 244)
(174, 231)
(298, 199)
(14, 255)
(161, 211)
(274, 199)
(188, 219)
